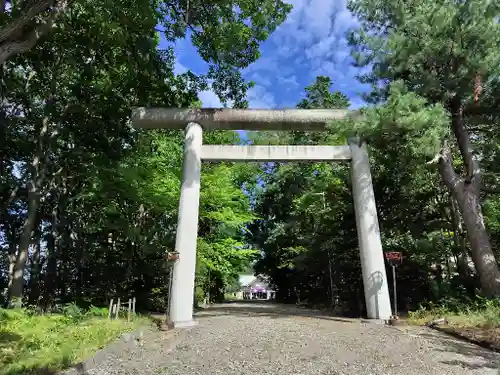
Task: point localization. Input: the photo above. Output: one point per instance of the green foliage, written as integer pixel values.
(318, 95)
(99, 196)
(98, 312)
(481, 313)
(227, 35)
(158, 299)
(444, 57)
(436, 47)
(30, 344)
(421, 127)
(73, 312)
(305, 219)
(307, 227)
(199, 295)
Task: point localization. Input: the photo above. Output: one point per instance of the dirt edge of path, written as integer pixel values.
(127, 342)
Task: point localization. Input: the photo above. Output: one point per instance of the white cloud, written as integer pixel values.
(290, 81)
(258, 77)
(324, 68)
(322, 48)
(264, 64)
(259, 97)
(315, 21)
(309, 43)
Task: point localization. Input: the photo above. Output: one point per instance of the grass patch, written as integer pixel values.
(41, 344)
(483, 314)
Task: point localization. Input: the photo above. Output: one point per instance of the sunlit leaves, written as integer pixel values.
(227, 35)
(421, 128)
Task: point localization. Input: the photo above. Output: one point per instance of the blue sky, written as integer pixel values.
(309, 43)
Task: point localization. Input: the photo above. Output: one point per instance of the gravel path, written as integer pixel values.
(258, 339)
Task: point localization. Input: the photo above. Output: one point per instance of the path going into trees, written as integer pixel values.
(261, 338)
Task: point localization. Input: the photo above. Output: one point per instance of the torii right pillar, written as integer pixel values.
(378, 303)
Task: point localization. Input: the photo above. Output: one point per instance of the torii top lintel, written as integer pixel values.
(238, 119)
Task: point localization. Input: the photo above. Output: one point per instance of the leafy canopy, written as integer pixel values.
(420, 127)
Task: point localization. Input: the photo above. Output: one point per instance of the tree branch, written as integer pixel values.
(490, 189)
(16, 26)
(26, 41)
(463, 139)
(445, 164)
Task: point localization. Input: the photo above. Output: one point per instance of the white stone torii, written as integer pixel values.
(376, 290)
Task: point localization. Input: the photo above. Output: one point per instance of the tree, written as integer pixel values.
(318, 95)
(438, 50)
(24, 23)
(303, 237)
(71, 97)
(226, 34)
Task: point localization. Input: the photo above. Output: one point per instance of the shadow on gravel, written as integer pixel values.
(268, 309)
(480, 357)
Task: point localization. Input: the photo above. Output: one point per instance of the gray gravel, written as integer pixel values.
(263, 339)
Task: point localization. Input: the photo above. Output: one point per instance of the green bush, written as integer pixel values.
(158, 299)
(73, 312)
(199, 296)
(482, 312)
(101, 312)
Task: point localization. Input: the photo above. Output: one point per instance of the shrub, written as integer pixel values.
(101, 312)
(482, 313)
(73, 312)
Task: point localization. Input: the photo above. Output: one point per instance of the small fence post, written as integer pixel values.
(110, 308)
(133, 305)
(129, 308)
(117, 309)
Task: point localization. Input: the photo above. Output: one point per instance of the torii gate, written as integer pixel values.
(376, 290)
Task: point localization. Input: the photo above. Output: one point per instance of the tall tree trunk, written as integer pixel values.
(465, 190)
(35, 179)
(50, 280)
(34, 283)
(17, 286)
(80, 263)
(464, 269)
(12, 261)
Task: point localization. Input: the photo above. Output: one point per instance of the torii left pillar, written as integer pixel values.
(182, 290)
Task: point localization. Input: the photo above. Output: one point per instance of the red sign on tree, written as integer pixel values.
(395, 258)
